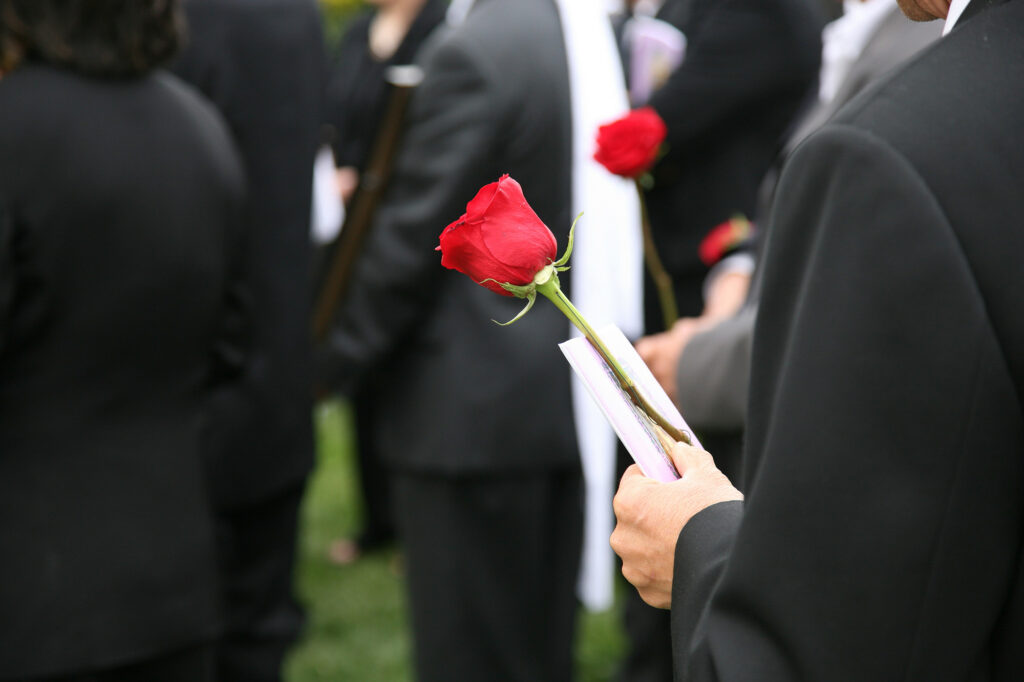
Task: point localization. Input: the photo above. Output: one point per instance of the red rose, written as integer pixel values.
(629, 146)
(499, 238)
(724, 238)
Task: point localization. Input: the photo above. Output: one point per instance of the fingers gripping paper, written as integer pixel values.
(633, 428)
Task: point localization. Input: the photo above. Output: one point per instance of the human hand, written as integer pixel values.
(346, 179)
(661, 352)
(651, 514)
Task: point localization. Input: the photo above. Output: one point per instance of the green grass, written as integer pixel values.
(357, 625)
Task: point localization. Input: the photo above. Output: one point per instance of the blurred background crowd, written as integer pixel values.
(251, 430)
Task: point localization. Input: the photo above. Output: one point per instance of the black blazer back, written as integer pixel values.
(463, 394)
(113, 275)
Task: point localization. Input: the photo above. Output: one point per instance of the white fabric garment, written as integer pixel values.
(328, 212)
(844, 39)
(457, 11)
(956, 8)
(607, 265)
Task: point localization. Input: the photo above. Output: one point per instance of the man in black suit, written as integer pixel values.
(261, 64)
(475, 419)
(882, 531)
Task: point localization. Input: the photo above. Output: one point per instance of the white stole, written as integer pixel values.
(607, 265)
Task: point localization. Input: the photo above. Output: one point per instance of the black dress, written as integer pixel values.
(357, 92)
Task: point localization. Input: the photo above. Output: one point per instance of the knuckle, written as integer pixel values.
(633, 577)
(618, 505)
(654, 598)
(615, 540)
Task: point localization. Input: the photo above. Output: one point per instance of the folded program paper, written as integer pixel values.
(634, 429)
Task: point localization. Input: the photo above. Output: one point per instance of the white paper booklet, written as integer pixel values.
(632, 427)
(656, 49)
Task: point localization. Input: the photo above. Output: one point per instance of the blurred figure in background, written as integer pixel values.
(748, 69)
(357, 96)
(261, 64)
(120, 193)
(389, 34)
(710, 385)
(478, 433)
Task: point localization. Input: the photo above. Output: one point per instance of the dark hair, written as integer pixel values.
(94, 37)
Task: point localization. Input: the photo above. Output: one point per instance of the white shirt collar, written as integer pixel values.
(956, 8)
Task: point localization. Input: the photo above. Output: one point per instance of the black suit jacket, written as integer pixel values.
(883, 531)
(114, 259)
(461, 393)
(262, 64)
(748, 69)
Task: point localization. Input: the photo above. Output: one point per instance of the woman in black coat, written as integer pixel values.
(118, 197)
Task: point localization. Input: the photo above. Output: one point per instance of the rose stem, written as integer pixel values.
(662, 280)
(551, 290)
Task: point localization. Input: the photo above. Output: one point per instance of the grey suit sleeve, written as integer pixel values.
(883, 442)
(454, 117)
(714, 374)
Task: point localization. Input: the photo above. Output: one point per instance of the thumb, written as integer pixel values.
(684, 457)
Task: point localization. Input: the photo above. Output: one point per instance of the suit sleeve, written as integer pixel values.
(714, 373)
(737, 52)
(453, 119)
(232, 348)
(6, 272)
(884, 435)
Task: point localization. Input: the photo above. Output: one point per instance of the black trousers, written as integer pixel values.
(492, 563)
(257, 557)
(194, 664)
(374, 480)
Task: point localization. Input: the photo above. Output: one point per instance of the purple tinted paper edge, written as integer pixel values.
(637, 439)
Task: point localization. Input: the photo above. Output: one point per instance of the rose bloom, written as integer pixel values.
(722, 239)
(629, 146)
(498, 238)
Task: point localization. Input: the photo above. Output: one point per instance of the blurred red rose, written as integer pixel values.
(723, 239)
(498, 238)
(629, 146)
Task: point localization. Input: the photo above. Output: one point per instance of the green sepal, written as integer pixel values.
(515, 289)
(531, 298)
(568, 249)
